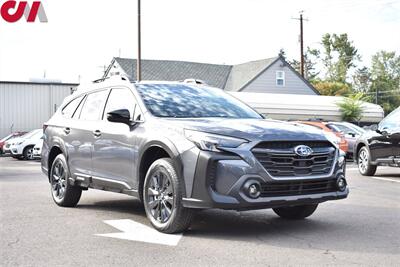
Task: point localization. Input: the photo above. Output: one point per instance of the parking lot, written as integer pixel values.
(111, 229)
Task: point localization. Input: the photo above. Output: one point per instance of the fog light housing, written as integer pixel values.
(341, 184)
(252, 189)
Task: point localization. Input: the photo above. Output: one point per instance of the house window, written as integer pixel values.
(280, 78)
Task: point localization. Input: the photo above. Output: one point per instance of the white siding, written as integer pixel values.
(266, 82)
(26, 106)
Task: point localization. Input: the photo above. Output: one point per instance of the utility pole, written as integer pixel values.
(301, 46)
(139, 56)
(301, 43)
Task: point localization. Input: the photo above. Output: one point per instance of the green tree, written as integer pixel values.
(332, 88)
(311, 58)
(385, 80)
(351, 107)
(339, 56)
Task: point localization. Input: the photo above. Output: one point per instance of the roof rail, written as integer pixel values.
(122, 77)
(195, 81)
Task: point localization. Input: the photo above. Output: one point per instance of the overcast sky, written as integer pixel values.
(81, 36)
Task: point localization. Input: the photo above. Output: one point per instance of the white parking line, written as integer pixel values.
(385, 179)
(131, 230)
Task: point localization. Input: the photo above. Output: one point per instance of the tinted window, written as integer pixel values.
(70, 108)
(186, 101)
(121, 99)
(94, 105)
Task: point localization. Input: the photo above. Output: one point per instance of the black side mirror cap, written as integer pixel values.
(120, 116)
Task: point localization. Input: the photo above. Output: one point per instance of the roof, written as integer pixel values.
(243, 74)
(228, 77)
(169, 70)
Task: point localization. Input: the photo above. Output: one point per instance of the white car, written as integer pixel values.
(22, 147)
(37, 149)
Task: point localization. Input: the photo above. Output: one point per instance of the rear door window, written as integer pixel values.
(94, 105)
(69, 109)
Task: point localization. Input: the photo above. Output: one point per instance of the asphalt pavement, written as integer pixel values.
(107, 229)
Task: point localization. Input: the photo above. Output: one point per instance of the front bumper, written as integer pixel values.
(221, 178)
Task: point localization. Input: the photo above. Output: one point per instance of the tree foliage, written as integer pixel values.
(332, 88)
(339, 56)
(311, 58)
(385, 80)
(351, 108)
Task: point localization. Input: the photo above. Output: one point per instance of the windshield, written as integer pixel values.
(187, 101)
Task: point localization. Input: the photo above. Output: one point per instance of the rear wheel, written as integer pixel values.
(296, 212)
(28, 153)
(162, 198)
(363, 161)
(64, 194)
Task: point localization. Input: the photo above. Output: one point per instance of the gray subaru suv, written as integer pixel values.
(181, 147)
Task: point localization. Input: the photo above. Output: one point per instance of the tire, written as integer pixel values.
(28, 153)
(296, 212)
(64, 194)
(363, 162)
(162, 198)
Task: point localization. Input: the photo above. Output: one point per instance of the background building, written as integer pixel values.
(272, 75)
(25, 106)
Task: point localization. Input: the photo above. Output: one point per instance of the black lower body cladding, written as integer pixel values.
(223, 180)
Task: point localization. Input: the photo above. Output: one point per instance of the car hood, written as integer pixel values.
(250, 129)
(15, 140)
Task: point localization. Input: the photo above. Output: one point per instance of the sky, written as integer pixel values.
(81, 37)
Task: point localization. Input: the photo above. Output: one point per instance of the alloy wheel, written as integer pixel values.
(160, 196)
(59, 181)
(29, 153)
(363, 161)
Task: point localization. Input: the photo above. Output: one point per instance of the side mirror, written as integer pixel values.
(120, 115)
(351, 134)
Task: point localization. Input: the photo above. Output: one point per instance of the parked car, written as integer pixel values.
(350, 131)
(379, 147)
(343, 145)
(22, 147)
(37, 149)
(8, 137)
(179, 147)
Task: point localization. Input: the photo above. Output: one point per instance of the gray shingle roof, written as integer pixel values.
(168, 70)
(227, 77)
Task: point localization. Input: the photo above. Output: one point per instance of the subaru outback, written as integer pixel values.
(181, 147)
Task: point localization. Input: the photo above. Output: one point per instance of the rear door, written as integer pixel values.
(114, 152)
(80, 132)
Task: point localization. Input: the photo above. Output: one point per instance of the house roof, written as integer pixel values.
(169, 70)
(228, 77)
(243, 74)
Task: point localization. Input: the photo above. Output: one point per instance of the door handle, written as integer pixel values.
(97, 133)
(67, 130)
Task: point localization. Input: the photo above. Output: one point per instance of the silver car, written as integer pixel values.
(180, 147)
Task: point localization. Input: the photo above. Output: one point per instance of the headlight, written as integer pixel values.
(211, 142)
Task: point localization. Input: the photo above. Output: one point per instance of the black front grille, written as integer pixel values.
(294, 188)
(279, 159)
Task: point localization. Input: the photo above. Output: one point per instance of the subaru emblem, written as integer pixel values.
(303, 151)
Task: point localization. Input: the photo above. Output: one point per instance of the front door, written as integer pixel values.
(114, 152)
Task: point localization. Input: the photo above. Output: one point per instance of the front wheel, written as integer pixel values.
(64, 194)
(296, 212)
(162, 198)
(363, 160)
(28, 153)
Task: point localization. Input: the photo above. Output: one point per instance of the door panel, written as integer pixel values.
(114, 151)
